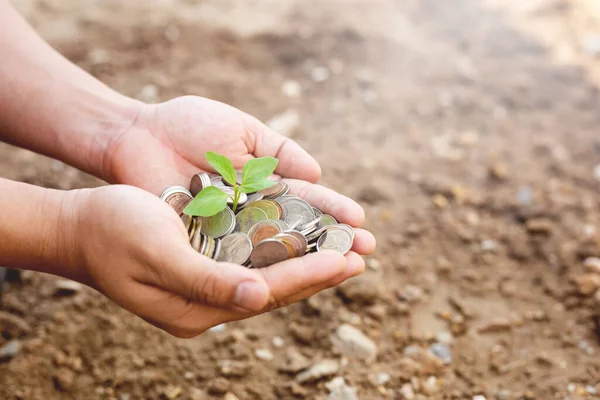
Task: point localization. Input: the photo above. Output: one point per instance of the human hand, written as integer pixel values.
(135, 250)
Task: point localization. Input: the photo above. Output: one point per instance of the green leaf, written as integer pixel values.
(258, 169)
(223, 166)
(256, 186)
(208, 202)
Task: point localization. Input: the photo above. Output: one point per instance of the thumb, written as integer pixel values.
(203, 280)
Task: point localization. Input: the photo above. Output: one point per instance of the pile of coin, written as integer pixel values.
(269, 226)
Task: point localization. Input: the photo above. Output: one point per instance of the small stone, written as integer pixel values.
(297, 390)
(539, 226)
(149, 93)
(479, 397)
(218, 328)
(278, 342)
(172, 33)
(64, 379)
(218, 386)
(588, 284)
(441, 351)
(66, 287)
(592, 264)
(291, 89)
(319, 74)
(10, 350)
(410, 293)
(293, 361)
(373, 264)
(172, 392)
(98, 56)
(377, 312)
(319, 370)
(524, 196)
(189, 375)
(444, 337)
(340, 391)
(489, 245)
(230, 396)
(407, 392)
(440, 201)
(263, 354)
(353, 343)
(286, 123)
(383, 378)
(359, 290)
(14, 325)
(430, 386)
(230, 368)
(498, 171)
(302, 334)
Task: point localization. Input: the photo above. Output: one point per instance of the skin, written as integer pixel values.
(121, 239)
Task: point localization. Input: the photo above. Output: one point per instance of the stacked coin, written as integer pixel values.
(270, 226)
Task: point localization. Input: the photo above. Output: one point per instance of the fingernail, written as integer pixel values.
(251, 296)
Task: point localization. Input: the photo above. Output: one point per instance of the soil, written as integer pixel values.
(468, 129)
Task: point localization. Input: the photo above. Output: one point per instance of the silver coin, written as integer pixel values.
(218, 246)
(219, 225)
(247, 218)
(199, 182)
(336, 239)
(238, 179)
(345, 227)
(318, 212)
(297, 213)
(174, 189)
(235, 248)
(251, 198)
(229, 190)
(326, 220)
(282, 225)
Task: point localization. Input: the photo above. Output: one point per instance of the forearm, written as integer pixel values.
(51, 106)
(37, 227)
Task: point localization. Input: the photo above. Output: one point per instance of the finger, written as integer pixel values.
(364, 242)
(293, 276)
(329, 201)
(294, 161)
(185, 272)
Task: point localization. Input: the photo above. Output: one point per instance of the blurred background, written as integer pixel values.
(468, 129)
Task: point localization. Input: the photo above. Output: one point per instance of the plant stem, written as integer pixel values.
(236, 197)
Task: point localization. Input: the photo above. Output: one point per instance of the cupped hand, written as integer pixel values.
(135, 250)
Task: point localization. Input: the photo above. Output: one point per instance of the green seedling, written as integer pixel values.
(212, 200)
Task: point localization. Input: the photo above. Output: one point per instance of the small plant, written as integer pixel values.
(212, 200)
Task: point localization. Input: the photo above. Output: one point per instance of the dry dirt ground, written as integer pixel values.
(469, 130)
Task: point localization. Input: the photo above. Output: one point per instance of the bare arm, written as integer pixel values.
(51, 106)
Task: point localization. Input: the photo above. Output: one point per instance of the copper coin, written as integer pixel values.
(263, 230)
(269, 252)
(274, 191)
(235, 248)
(199, 182)
(302, 239)
(178, 200)
(296, 245)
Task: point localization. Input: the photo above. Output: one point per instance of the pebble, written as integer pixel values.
(444, 337)
(360, 290)
(541, 226)
(441, 351)
(489, 245)
(66, 287)
(430, 386)
(172, 33)
(218, 386)
(278, 342)
(588, 284)
(286, 123)
(64, 379)
(383, 378)
(98, 56)
(293, 361)
(592, 264)
(374, 264)
(524, 196)
(10, 350)
(172, 392)
(407, 392)
(264, 354)
(302, 334)
(230, 396)
(351, 342)
(15, 325)
(479, 397)
(149, 93)
(319, 74)
(319, 370)
(218, 328)
(340, 391)
(189, 375)
(498, 171)
(291, 89)
(497, 325)
(230, 368)
(410, 293)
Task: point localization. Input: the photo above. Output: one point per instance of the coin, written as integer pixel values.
(251, 199)
(297, 212)
(275, 191)
(270, 207)
(263, 230)
(187, 221)
(248, 217)
(196, 240)
(298, 247)
(318, 212)
(302, 239)
(193, 227)
(220, 224)
(269, 252)
(336, 239)
(199, 182)
(177, 198)
(238, 179)
(345, 227)
(218, 182)
(326, 220)
(218, 245)
(235, 248)
(282, 225)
